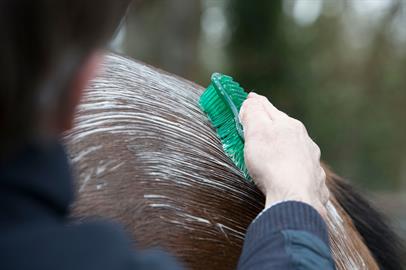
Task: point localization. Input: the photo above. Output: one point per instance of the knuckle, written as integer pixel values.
(251, 105)
(247, 103)
(302, 127)
(317, 150)
(263, 98)
(244, 107)
(323, 175)
(299, 125)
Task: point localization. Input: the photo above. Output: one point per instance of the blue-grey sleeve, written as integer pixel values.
(154, 260)
(289, 235)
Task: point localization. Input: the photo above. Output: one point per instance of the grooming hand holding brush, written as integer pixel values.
(279, 154)
(275, 151)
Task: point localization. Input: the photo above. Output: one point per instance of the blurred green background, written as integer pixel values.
(338, 66)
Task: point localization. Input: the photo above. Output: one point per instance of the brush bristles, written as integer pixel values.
(222, 118)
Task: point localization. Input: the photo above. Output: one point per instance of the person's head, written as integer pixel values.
(49, 51)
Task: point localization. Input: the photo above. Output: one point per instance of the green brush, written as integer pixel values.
(221, 102)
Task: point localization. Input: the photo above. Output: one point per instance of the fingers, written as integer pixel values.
(272, 111)
(254, 117)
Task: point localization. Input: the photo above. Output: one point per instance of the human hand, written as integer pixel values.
(280, 156)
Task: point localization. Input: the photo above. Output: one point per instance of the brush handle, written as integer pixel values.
(221, 91)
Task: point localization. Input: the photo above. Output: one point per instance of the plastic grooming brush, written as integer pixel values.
(221, 101)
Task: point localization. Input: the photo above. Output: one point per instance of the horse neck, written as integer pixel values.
(348, 248)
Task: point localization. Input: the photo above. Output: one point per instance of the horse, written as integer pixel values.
(146, 156)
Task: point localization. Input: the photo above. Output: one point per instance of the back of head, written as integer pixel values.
(43, 43)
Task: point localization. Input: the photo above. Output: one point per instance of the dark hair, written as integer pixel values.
(43, 43)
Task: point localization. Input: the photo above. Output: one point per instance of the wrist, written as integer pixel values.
(273, 199)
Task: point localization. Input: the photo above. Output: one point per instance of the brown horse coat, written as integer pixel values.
(145, 155)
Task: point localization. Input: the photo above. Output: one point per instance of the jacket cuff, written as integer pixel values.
(289, 215)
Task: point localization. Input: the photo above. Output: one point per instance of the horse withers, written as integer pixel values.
(146, 156)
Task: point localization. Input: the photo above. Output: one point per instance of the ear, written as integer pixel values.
(85, 74)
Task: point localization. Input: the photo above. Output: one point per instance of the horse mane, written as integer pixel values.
(145, 155)
(384, 244)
